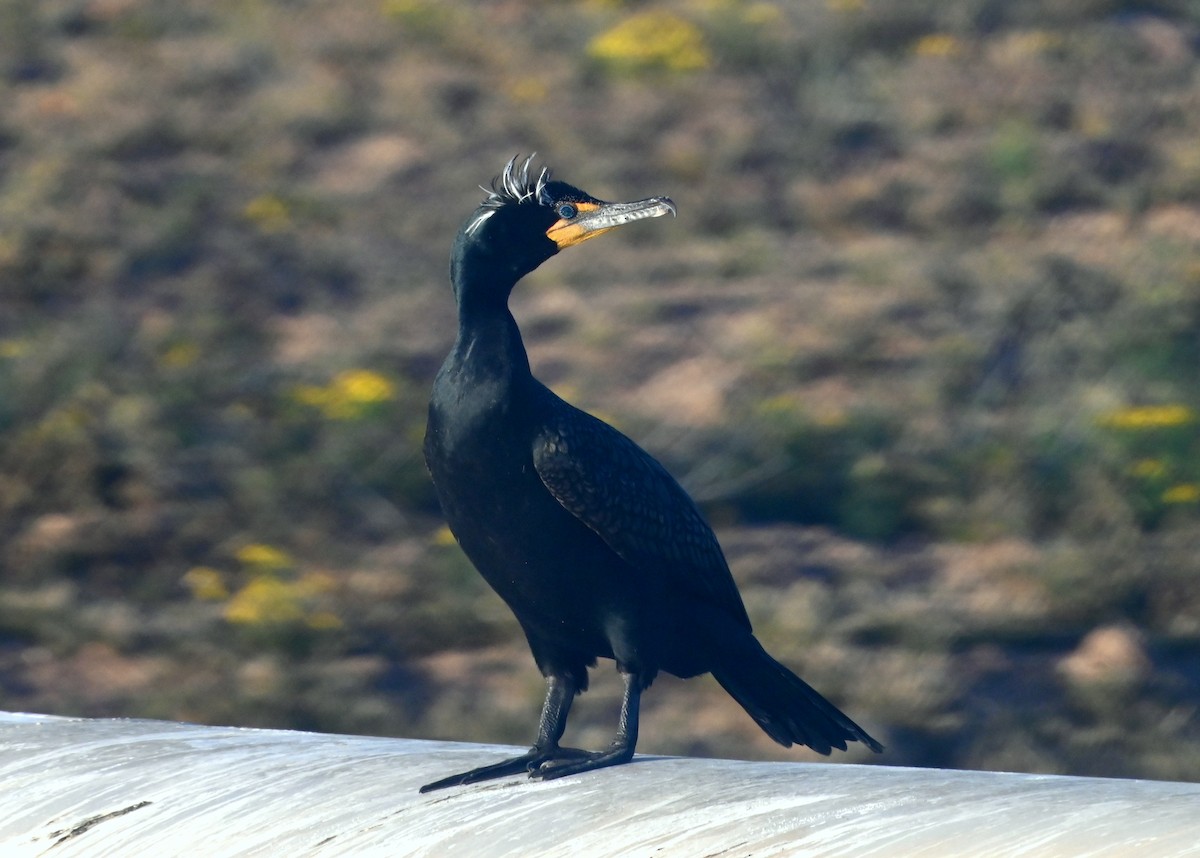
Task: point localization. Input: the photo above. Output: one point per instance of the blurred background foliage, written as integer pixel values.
(924, 341)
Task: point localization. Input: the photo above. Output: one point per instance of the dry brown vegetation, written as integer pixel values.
(924, 341)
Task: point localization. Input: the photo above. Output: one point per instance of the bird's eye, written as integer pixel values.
(567, 211)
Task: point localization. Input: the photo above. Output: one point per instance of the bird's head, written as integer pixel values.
(528, 218)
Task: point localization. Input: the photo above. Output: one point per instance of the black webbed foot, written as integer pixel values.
(587, 761)
(533, 761)
(546, 760)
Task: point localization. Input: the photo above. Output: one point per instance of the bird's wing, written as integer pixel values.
(623, 494)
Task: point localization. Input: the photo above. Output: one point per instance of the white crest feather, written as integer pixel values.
(514, 184)
(478, 221)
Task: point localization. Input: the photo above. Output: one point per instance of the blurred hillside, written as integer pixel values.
(924, 340)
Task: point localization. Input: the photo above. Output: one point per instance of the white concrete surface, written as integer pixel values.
(77, 787)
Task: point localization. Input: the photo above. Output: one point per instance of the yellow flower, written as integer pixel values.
(13, 348)
(784, 403)
(1149, 417)
(653, 39)
(1182, 493)
(1029, 43)
(268, 599)
(1148, 468)
(349, 396)
(264, 600)
(205, 584)
(266, 558)
(365, 386)
(180, 355)
(268, 212)
(937, 45)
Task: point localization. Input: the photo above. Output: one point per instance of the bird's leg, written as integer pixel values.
(560, 692)
(621, 749)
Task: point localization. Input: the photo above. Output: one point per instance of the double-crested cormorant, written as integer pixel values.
(593, 545)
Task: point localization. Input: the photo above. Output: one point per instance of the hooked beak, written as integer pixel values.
(596, 218)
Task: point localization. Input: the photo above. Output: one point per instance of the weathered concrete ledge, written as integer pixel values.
(81, 787)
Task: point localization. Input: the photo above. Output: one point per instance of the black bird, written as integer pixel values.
(588, 539)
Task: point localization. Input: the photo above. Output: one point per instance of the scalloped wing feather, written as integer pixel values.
(628, 499)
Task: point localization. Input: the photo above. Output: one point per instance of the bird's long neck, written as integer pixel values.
(489, 347)
(489, 344)
(473, 398)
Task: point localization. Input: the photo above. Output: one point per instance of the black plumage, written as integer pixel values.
(596, 549)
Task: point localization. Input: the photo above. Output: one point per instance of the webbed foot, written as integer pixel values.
(534, 761)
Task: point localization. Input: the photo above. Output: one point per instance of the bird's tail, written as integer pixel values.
(788, 709)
